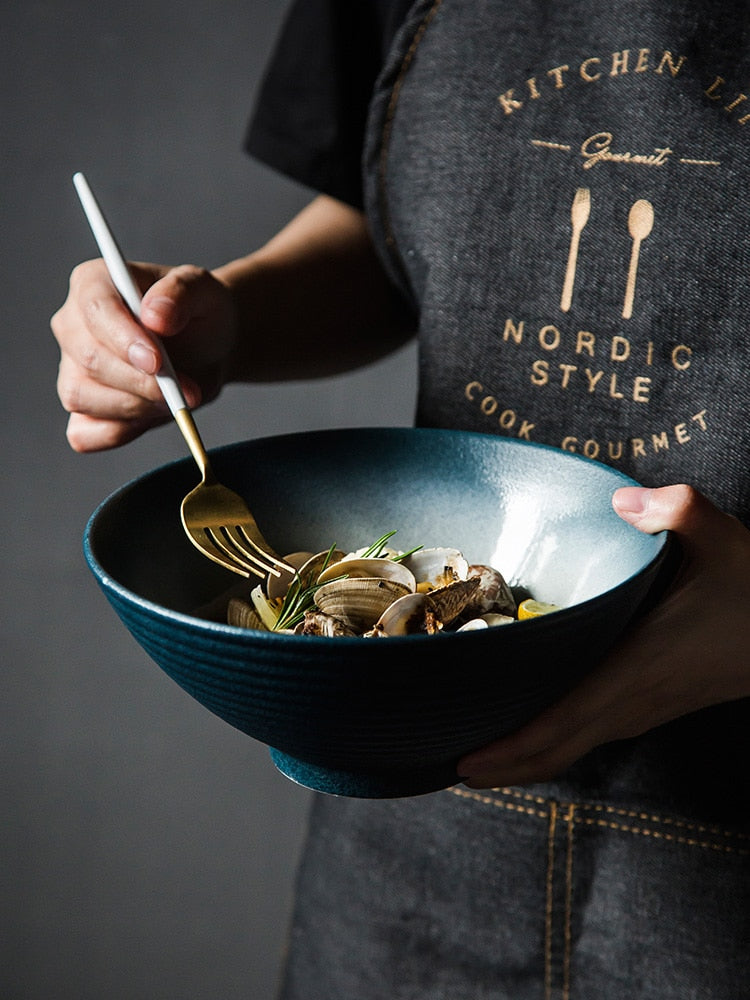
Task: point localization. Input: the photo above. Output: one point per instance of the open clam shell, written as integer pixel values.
(421, 612)
(488, 620)
(437, 567)
(384, 569)
(242, 614)
(406, 616)
(359, 601)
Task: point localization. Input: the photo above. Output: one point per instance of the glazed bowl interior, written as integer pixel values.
(382, 716)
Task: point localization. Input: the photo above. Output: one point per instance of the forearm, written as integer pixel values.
(314, 301)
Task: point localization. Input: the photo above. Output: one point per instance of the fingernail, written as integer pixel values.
(143, 358)
(632, 499)
(160, 309)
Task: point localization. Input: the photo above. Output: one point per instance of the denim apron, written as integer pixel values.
(561, 191)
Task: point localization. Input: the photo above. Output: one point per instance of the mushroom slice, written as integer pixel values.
(448, 602)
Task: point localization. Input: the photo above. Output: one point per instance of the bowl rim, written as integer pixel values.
(108, 583)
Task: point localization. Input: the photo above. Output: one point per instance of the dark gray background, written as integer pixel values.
(147, 848)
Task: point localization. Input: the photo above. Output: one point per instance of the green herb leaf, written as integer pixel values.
(299, 598)
(375, 551)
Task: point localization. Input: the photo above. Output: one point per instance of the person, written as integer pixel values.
(550, 198)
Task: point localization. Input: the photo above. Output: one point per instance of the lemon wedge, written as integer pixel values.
(534, 609)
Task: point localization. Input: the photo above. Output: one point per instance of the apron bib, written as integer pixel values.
(560, 189)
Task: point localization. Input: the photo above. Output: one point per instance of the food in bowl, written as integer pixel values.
(378, 591)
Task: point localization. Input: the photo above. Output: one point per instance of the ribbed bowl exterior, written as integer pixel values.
(379, 716)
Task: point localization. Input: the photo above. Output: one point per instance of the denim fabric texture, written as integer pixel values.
(513, 895)
(560, 189)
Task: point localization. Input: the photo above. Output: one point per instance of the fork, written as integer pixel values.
(217, 520)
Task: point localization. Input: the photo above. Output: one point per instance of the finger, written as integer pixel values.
(607, 704)
(531, 770)
(538, 751)
(183, 294)
(95, 306)
(122, 395)
(99, 383)
(91, 399)
(90, 434)
(680, 509)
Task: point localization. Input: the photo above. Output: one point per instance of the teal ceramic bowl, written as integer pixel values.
(383, 717)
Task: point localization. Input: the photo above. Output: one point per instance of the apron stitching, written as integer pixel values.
(548, 911)
(488, 800)
(570, 818)
(698, 829)
(526, 796)
(388, 128)
(669, 820)
(662, 835)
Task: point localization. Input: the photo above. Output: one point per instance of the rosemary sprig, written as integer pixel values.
(376, 549)
(299, 598)
(405, 555)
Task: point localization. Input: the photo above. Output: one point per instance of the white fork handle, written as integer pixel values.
(123, 282)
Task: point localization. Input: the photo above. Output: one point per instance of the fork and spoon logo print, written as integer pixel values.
(640, 224)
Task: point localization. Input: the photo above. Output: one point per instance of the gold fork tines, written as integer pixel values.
(218, 521)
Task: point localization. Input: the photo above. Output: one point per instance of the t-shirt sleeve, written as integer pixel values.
(310, 118)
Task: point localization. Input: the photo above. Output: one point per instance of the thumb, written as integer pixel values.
(680, 509)
(172, 301)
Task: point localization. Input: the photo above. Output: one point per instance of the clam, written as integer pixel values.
(242, 614)
(494, 594)
(406, 616)
(359, 601)
(473, 625)
(495, 619)
(384, 569)
(385, 553)
(317, 623)
(421, 612)
(276, 586)
(437, 567)
(485, 621)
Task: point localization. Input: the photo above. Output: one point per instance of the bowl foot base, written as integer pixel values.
(385, 784)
